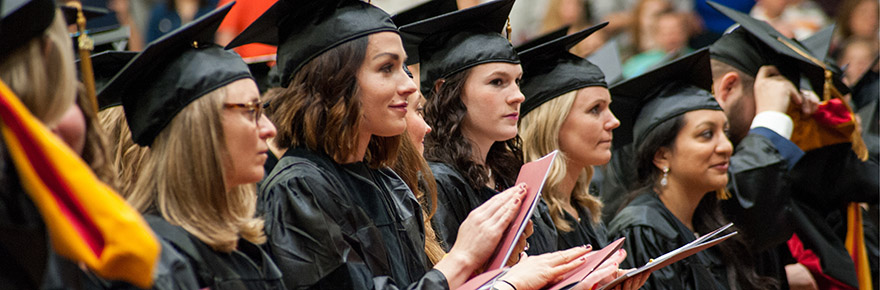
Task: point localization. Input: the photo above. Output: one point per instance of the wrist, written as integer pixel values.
(778, 122)
(502, 284)
(465, 262)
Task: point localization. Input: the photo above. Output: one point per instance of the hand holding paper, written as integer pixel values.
(479, 234)
(533, 174)
(676, 255)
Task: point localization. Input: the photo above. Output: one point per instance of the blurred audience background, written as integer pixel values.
(647, 32)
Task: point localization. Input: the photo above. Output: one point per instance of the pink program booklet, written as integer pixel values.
(533, 174)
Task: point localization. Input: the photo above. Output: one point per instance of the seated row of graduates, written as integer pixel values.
(352, 204)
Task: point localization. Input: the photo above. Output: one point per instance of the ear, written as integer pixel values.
(725, 87)
(439, 83)
(661, 158)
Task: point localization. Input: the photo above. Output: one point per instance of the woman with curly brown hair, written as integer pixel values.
(470, 75)
(337, 216)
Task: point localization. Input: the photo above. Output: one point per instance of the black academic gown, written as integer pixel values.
(870, 115)
(824, 181)
(247, 267)
(456, 198)
(343, 226)
(25, 250)
(651, 230)
(173, 272)
(760, 203)
(584, 231)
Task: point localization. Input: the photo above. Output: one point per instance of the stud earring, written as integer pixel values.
(665, 173)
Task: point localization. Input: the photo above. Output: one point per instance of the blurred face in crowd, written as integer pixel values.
(415, 121)
(585, 135)
(245, 131)
(670, 33)
(648, 12)
(700, 156)
(384, 86)
(863, 21)
(773, 8)
(857, 57)
(492, 98)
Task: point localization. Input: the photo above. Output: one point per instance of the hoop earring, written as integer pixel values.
(663, 181)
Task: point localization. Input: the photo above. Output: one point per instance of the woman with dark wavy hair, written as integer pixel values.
(679, 135)
(337, 216)
(470, 75)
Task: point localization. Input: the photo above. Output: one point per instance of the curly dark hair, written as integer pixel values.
(321, 108)
(445, 112)
(707, 216)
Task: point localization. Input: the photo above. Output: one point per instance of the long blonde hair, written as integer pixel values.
(183, 179)
(95, 150)
(43, 79)
(540, 134)
(410, 166)
(125, 155)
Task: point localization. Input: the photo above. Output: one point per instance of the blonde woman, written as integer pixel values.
(198, 108)
(557, 81)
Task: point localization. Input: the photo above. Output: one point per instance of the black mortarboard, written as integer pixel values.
(820, 42)
(456, 41)
(543, 39)
(304, 29)
(549, 70)
(106, 65)
(88, 12)
(607, 58)
(22, 20)
(760, 44)
(643, 102)
(171, 73)
(424, 11)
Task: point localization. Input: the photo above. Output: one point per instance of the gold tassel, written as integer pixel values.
(85, 45)
(858, 144)
(722, 194)
(509, 29)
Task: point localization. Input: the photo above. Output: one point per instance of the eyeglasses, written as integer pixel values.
(255, 108)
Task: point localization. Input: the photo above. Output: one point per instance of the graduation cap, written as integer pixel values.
(820, 42)
(22, 20)
(643, 102)
(304, 29)
(552, 35)
(424, 11)
(549, 70)
(172, 72)
(760, 44)
(607, 58)
(456, 41)
(89, 12)
(105, 66)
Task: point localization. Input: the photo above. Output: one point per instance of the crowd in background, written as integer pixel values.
(644, 31)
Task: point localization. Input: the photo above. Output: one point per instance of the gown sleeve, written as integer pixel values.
(760, 203)
(453, 204)
(644, 243)
(544, 239)
(313, 238)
